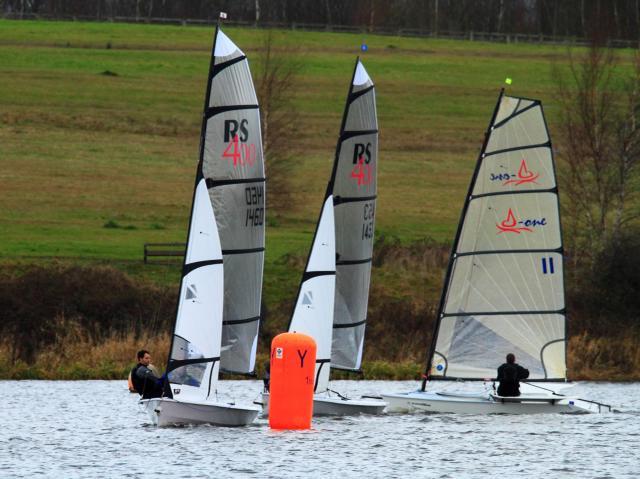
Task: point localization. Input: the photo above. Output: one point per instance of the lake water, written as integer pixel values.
(67, 429)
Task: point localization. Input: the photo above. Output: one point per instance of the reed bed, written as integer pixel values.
(75, 356)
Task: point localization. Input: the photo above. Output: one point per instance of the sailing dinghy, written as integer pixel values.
(332, 299)
(504, 288)
(223, 258)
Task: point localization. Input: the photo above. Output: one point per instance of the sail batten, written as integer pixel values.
(504, 289)
(354, 186)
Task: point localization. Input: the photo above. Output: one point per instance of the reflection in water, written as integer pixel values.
(96, 429)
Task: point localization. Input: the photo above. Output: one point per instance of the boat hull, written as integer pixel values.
(433, 402)
(169, 412)
(330, 406)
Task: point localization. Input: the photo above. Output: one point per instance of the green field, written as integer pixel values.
(99, 132)
(80, 148)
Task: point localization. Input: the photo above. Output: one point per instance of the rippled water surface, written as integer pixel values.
(96, 429)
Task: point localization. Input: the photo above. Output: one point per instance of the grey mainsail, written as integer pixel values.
(234, 170)
(504, 290)
(354, 186)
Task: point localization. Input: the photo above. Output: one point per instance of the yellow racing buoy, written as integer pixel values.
(293, 366)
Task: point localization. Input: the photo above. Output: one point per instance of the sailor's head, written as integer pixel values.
(144, 357)
(511, 358)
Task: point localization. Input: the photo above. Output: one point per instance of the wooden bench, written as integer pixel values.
(168, 253)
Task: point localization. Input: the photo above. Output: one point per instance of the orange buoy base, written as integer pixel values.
(293, 366)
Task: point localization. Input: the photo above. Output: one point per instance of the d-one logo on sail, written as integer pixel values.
(512, 225)
(238, 151)
(523, 176)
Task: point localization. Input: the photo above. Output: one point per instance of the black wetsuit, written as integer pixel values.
(145, 382)
(509, 376)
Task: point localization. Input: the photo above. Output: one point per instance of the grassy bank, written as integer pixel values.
(99, 130)
(589, 359)
(51, 329)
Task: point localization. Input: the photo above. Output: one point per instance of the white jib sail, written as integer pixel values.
(313, 313)
(198, 329)
(505, 292)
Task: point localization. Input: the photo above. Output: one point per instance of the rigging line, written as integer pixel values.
(210, 376)
(546, 389)
(344, 398)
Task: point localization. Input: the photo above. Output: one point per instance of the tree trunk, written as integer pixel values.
(372, 13)
(435, 18)
(328, 10)
(637, 19)
(582, 19)
(500, 16)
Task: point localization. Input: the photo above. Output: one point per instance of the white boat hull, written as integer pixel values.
(169, 412)
(470, 403)
(335, 406)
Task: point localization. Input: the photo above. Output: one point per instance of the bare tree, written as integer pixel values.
(600, 147)
(276, 87)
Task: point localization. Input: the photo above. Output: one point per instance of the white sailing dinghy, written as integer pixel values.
(228, 206)
(504, 288)
(345, 227)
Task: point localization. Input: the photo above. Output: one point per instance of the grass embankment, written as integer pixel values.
(99, 129)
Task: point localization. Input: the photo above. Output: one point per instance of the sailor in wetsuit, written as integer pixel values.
(509, 375)
(145, 382)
